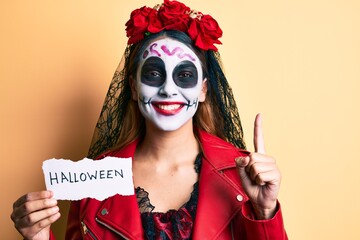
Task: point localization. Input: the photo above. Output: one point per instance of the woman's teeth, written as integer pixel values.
(169, 107)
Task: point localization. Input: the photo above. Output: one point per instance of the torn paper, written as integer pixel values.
(87, 178)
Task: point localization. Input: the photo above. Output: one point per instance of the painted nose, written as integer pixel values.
(168, 89)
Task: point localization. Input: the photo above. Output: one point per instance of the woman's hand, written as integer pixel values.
(33, 214)
(260, 176)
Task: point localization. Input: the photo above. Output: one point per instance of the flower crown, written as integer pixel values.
(173, 15)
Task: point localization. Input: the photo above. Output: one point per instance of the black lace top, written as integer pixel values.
(174, 224)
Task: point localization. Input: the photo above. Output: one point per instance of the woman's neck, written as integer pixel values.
(164, 146)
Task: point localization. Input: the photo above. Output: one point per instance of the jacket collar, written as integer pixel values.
(213, 149)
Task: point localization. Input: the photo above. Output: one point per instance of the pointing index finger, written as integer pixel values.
(259, 143)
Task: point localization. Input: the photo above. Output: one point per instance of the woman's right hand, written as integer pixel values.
(33, 214)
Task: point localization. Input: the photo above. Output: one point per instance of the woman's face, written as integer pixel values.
(169, 84)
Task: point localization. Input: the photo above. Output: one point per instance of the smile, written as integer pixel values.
(167, 108)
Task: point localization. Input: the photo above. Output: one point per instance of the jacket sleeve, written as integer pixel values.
(52, 237)
(247, 227)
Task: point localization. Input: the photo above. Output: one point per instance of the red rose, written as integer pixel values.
(205, 32)
(142, 20)
(174, 15)
(155, 25)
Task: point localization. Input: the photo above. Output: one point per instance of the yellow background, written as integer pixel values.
(297, 62)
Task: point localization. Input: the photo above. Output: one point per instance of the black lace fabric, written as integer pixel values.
(143, 200)
(174, 224)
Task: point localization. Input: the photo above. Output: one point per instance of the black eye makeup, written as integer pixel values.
(153, 72)
(185, 75)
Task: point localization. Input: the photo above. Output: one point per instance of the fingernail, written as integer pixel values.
(241, 160)
(238, 160)
(52, 201)
(54, 209)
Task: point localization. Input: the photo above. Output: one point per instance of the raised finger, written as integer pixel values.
(259, 143)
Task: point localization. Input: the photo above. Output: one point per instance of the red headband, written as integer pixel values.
(173, 15)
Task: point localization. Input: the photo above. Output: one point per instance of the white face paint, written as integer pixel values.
(169, 84)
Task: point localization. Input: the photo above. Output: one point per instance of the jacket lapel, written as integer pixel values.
(220, 193)
(121, 213)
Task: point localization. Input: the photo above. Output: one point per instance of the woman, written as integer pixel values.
(170, 108)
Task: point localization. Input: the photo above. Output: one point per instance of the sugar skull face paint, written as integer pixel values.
(169, 84)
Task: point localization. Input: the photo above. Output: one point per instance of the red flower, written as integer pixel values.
(174, 15)
(142, 20)
(205, 32)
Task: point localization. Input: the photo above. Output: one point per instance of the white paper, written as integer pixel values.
(87, 178)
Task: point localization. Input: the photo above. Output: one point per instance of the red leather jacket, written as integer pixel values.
(223, 210)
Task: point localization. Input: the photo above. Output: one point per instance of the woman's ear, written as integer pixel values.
(204, 89)
(134, 93)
